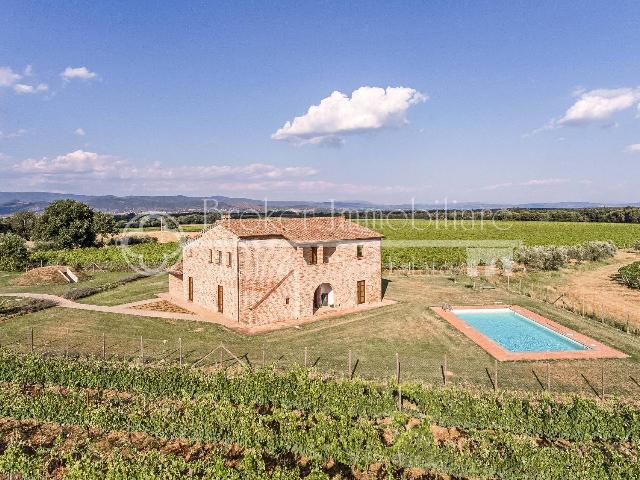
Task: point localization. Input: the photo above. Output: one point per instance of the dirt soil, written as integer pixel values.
(600, 290)
(41, 276)
(162, 306)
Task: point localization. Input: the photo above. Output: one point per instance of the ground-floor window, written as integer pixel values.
(361, 290)
(191, 289)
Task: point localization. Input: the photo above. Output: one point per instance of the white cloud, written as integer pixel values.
(80, 132)
(28, 70)
(91, 172)
(633, 148)
(369, 108)
(81, 73)
(600, 104)
(22, 88)
(14, 134)
(535, 182)
(8, 77)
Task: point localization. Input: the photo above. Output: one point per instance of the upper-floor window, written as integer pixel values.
(219, 257)
(360, 251)
(314, 255)
(327, 252)
(228, 259)
(210, 256)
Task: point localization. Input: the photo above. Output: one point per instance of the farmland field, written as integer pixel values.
(122, 421)
(529, 233)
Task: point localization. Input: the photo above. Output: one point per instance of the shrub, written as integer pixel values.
(630, 275)
(636, 246)
(78, 293)
(132, 240)
(553, 257)
(13, 252)
(23, 306)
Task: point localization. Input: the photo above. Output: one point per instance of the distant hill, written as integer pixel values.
(11, 202)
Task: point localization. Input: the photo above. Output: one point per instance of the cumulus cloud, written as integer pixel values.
(92, 172)
(633, 148)
(600, 104)
(368, 108)
(80, 73)
(8, 77)
(594, 106)
(22, 88)
(80, 132)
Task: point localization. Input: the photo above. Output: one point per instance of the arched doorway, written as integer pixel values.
(323, 296)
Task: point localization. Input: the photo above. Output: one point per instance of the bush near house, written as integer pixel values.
(630, 275)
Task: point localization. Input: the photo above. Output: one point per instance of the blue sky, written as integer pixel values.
(469, 101)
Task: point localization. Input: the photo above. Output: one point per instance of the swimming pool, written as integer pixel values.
(515, 332)
(512, 332)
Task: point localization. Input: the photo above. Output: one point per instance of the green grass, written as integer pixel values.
(528, 233)
(93, 280)
(131, 292)
(408, 328)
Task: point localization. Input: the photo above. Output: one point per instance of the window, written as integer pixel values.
(286, 301)
(190, 289)
(360, 251)
(219, 257)
(360, 292)
(314, 255)
(210, 256)
(228, 259)
(326, 253)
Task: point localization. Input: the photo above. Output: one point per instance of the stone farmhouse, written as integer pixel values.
(261, 271)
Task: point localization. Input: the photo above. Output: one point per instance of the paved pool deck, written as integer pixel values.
(594, 349)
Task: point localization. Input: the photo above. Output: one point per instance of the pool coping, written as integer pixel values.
(596, 349)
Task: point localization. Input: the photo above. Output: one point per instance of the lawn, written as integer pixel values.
(134, 291)
(408, 328)
(93, 280)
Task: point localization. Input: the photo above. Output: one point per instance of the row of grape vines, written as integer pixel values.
(273, 417)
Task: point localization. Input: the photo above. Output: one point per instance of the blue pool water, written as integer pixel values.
(515, 332)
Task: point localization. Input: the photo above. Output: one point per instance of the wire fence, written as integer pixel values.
(597, 378)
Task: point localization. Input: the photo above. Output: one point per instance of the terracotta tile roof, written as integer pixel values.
(300, 229)
(176, 269)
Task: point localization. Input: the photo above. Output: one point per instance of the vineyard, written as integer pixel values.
(88, 419)
(528, 233)
(630, 275)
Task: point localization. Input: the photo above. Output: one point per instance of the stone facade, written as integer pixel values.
(270, 278)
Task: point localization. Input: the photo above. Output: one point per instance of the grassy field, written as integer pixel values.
(131, 292)
(408, 328)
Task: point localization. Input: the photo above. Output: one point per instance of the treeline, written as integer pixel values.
(603, 215)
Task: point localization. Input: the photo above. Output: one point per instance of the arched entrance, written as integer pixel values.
(323, 296)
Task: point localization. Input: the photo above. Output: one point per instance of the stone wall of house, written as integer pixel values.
(268, 292)
(264, 265)
(276, 279)
(200, 262)
(175, 286)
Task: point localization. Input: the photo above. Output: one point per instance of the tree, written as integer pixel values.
(13, 252)
(66, 224)
(104, 224)
(23, 223)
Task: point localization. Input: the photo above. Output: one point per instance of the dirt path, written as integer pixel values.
(599, 290)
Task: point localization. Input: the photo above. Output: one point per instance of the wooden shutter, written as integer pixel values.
(361, 289)
(191, 289)
(220, 299)
(314, 255)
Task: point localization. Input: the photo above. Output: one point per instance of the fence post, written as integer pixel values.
(305, 357)
(263, 358)
(104, 347)
(444, 371)
(349, 367)
(31, 339)
(180, 350)
(141, 350)
(548, 377)
(397, 368)
(495, 376)
(602, 379)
